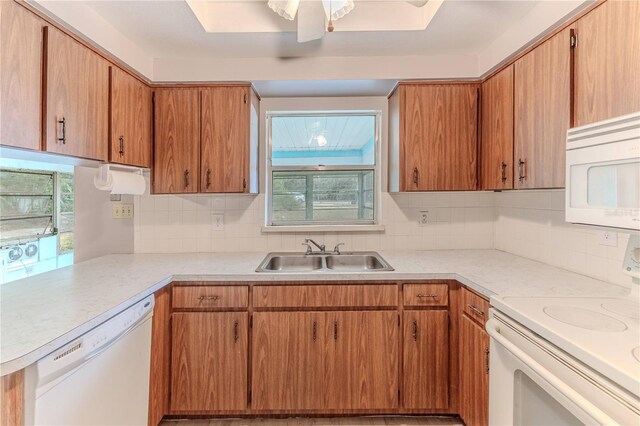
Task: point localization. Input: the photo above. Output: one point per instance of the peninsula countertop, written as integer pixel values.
(42, 313)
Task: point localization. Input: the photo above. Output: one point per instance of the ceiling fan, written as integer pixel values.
(316, 17)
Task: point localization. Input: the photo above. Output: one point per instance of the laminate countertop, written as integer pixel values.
(43, 313)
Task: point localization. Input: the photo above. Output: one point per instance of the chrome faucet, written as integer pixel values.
(309, 241)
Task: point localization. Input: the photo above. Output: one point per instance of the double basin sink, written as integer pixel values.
(365, 261)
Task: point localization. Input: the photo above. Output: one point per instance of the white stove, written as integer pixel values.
(603, 333)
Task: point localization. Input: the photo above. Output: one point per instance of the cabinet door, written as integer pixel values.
(77, 98)
(607, 75)
(426, 359)
(474, 380)
(176, 141)
(225, 139)
(20, 76)
(496, 146)
(288, 353)
(363, 360)
(209, 361)
(542, 109)
(440, 137)
(130, 135)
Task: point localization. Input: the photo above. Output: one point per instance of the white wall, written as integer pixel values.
(96, 233)
(531, 224)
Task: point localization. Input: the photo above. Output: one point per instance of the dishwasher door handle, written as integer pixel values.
(493, 328)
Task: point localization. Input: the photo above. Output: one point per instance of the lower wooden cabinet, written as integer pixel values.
(474, 383)
(323, 361)
(209, 361)
(426, 359)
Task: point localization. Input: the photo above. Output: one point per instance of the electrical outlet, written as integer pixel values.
(423, 219)
(218, 221)
(608, 238)
(122, 211)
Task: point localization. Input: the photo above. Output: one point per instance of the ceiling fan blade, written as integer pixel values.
(311, 21)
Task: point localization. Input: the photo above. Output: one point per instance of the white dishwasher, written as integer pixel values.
(101, 378)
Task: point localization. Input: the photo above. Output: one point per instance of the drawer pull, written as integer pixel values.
(427, 296)
(209, 298)
(475, 310)
(63, 125)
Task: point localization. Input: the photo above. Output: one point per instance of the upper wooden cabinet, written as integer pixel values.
(542, 112)
(206, 139)
(433, 137)
(496, 145)
(607, 62)
(20, 76)
(176, 140)
(130, 120)
(226, 139)
(77, 98)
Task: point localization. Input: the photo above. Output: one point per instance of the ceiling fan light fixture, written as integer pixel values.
(336, 9)
(285, 8)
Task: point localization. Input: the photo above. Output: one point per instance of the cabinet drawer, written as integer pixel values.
(475, 306)
(325, 296)
(210, 297)
(426, 294)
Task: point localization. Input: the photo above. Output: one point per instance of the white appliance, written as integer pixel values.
(101, 378)
(576, 362)
(603, 173)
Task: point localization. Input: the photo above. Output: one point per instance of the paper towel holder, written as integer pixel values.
(102, 175)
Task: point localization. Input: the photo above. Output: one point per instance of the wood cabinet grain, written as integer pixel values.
(474, 378)
(209, 361)
(419, 295)
(542, 112)
(475, 306)
(20, 76)
(130, 120)
(325, 296)
(607, 54)
(160, 363)
(425, 359)
(12, 398)
(210, 297)
(496, 144)
(176, 140)
(225, 144)
(438, 135)
(76, 98)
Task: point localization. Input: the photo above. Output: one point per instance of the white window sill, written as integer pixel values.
(301, 229)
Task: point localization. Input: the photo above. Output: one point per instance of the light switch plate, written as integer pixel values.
(122, 211)
(218, 221)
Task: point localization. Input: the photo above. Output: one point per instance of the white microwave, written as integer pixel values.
(603, 173)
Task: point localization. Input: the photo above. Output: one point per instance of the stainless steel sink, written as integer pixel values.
(323, 262)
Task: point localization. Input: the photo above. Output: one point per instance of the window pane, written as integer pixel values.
(24, 182)
(25, 228)
(328, 140)
(323, 196)
(25, 205)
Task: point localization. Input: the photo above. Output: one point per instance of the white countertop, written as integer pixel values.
(42, 313)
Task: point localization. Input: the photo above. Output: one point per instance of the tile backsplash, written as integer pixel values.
(531, 224)
(184, 223)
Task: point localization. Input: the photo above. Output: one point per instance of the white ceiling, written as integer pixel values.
(170, 29)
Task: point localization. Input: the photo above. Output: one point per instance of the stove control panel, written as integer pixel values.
(631, 263)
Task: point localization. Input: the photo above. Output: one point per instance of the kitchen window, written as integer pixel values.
(36, 220)
(322, 168)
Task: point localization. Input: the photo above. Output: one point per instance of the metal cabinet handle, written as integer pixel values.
(335, 330)
(503, 166)
(244, 183)
(63, 125)
(209, 298)
(186, 178)
(521, 170)
(414, 334)
(314, 330)
(121, 151)
(208, 178)
(426, 296)
(416, 175)
(475, 310)
(486, 359)
(235, 331)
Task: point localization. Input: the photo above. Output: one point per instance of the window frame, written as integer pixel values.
(375, 168)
